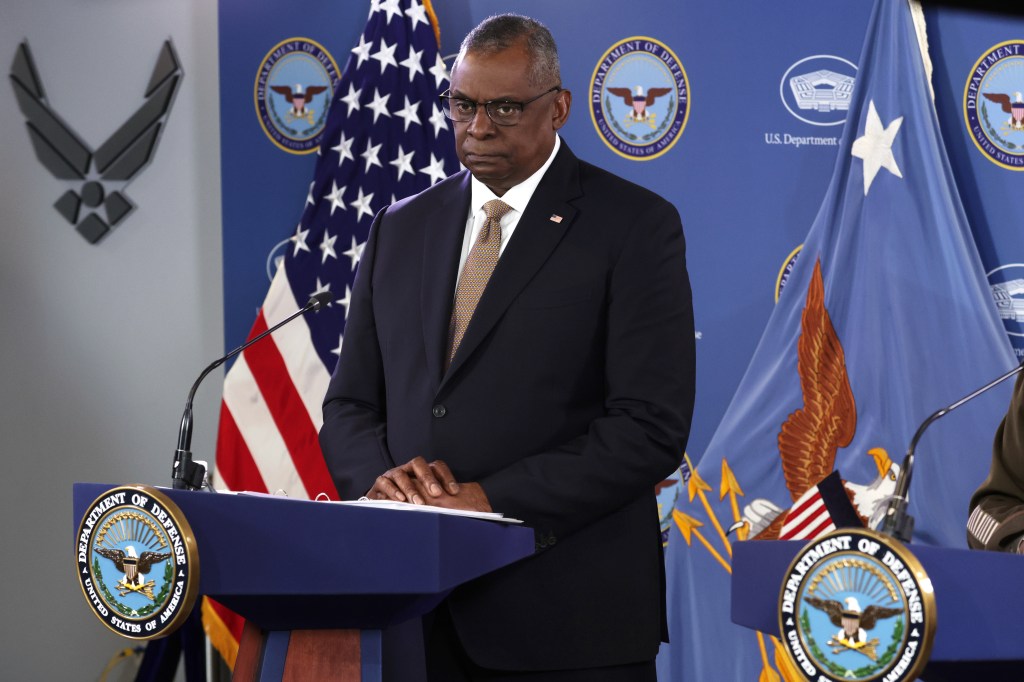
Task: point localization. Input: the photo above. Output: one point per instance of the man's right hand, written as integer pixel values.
(414, 479)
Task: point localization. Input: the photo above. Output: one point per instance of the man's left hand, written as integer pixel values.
(471, 497)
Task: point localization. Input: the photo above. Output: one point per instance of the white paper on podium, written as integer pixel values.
(392, 505)
(406, 506)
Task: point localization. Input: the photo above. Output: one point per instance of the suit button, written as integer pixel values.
(439, 411)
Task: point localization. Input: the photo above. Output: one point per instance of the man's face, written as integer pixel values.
(503, 156)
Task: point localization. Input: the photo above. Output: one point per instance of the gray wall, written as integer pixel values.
(99, 344)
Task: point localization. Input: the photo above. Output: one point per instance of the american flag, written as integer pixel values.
(823, 508)
(385, 138)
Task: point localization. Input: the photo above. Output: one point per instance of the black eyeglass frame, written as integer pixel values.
(447, 98)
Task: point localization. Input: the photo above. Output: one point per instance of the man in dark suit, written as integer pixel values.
(520, 339)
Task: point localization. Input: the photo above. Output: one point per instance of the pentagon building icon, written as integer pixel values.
(822, 90)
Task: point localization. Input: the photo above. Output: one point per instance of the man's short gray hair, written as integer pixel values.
(503, 31)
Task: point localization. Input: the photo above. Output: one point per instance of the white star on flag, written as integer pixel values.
(417, 13)
(403, 162)
(439, 71)
(320, 289)
(370, 155)
(409, 114)
(344, 149)
(352, 99)
(355, 252)
(327, 246)
(362, 50)
(875, 146)
(335, 197)
(412, 63)
(362, 204)
(438, 120)
(386, 56)
(435, 169)
(300, 240)
(346, 300)
(392, 8)
(379, 105)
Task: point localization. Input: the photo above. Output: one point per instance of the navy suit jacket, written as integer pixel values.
(569, 398)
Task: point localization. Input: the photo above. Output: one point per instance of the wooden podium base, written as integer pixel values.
(300, 655)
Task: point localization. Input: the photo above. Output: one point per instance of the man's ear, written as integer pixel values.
(563, 102)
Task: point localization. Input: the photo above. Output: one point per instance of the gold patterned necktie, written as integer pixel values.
(480, 263)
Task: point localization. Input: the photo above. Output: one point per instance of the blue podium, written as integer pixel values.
(318, 581)
(979, 599)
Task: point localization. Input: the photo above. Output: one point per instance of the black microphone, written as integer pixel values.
(898, 523)
(189, 475)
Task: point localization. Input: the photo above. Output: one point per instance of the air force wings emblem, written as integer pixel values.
(95, 201)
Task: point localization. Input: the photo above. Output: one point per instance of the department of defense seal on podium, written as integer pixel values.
(137, 562)
(856, 605)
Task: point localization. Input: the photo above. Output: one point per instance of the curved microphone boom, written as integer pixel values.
(898, 523)
(189, 475)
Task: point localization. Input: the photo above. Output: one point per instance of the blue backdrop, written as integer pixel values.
(748, 172)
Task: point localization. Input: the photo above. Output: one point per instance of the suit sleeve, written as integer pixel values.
(649, 394)
(997, 507)
(353, 437)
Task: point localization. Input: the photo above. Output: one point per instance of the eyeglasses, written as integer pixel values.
(501, 111)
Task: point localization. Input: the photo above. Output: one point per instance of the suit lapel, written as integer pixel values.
(442, 245)
(536, 236)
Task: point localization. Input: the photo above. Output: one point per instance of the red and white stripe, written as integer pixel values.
(271, 410)
(807, 518)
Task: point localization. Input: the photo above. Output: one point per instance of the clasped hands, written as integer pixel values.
(431, 483)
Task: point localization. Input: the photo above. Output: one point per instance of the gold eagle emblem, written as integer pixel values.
(811, 435)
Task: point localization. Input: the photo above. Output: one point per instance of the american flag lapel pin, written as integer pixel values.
(555, 218)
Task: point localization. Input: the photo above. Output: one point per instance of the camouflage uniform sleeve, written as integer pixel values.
(997, 507)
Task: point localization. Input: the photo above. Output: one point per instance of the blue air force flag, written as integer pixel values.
(886, 317)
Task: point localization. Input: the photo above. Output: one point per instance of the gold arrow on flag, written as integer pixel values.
(768, 673)
(731, 487)
(697, 486)
(688, 527)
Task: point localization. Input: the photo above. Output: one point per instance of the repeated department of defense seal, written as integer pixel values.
(786, 270)
(137, 562)
(639, 98)
(1006, 283)
(856, 605)
(294, 87)
(994, 104)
